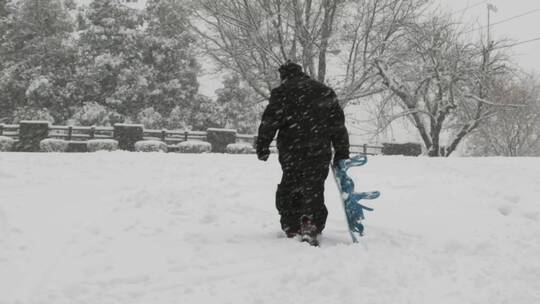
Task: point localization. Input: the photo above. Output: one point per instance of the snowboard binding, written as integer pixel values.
(354, 211)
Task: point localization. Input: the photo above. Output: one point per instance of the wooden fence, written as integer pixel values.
(170, 137)
(9, 131)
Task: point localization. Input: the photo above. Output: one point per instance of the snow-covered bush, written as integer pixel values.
(406, 149)
(6, 144)
(53, 145)
(150, 118)
(192, 146)
(29, 113)
(92, 114)
(95, 145)
(240, 148)
(150, 146)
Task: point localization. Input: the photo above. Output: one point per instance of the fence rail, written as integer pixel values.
(173, 136)
(170, 137)
(9, 131)
(76, 133)
(366, 149)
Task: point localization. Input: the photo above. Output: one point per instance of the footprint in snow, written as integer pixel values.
(505, 210)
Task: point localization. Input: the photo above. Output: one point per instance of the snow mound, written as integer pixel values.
(202, 228)
(150, 146)
(95, 145)
(240, 148)
(193, 146)
(6, 144)
(53, 145)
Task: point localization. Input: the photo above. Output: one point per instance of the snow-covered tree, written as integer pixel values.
(93, 114)
(441, 82)
(3, 8)
(239, 107)
(203, 114)
(150, 118)
(111, 71)
(168, 50)
(252, 38)
(511, 131)
(38, 54)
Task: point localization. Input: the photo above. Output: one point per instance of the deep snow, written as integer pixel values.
(178, 228)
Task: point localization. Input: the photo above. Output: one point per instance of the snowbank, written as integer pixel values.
(150, 146)
(95, 145)
(53, 145)
(201, 228)
(240, 148)
(193, 146)
(6, 144)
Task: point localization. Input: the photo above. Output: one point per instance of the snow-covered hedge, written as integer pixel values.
(192, 146)
(150, 146)
(6, 144)
(406, 149)
(53, 145)
(95, 145)
(240, 148)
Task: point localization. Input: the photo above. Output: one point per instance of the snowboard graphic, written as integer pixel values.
(354, 211)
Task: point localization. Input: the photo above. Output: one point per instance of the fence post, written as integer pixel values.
(127, 135)
(220, 138)
(163, 135)
(364, 148)
(1, 129)
(186, 134)
(70, 133)
(92, 132)
(31, 133)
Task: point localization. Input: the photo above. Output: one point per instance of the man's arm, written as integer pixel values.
(270, 123)
(338, 131)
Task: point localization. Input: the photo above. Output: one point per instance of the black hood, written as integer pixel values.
(290, 70)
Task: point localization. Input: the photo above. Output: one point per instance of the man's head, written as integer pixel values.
(289, 70)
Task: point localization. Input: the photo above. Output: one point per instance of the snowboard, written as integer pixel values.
(354, 211)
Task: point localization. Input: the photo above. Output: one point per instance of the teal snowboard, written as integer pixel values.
(354, 211)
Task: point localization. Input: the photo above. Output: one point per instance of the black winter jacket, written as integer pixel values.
(308, 117)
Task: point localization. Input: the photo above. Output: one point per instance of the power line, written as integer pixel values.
(517, 43)
(468, 7)
(506, 20)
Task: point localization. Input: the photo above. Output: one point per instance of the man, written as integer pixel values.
(310, 122)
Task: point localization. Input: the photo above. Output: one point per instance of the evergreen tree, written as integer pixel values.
(204, 113)
(239, 109)
(169, 51)
(3, 8)
(111, 72)
(38, 55)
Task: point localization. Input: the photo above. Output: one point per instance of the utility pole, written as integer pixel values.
(490, 7)
(486, 54)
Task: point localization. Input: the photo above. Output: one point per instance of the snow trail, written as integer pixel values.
(184, 228)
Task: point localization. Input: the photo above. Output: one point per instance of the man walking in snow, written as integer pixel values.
(309, 121)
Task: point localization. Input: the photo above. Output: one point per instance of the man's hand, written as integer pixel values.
(338, 157)
(263, 154)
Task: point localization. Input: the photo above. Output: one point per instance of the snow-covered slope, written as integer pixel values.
(171, 228)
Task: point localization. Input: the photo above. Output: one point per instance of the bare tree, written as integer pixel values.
(372, 29)
(254, 37)
(442, 83)
(513, 131)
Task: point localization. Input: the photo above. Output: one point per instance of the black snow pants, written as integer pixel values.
(301, 191)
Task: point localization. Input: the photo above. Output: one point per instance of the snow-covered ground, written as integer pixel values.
(175, 228)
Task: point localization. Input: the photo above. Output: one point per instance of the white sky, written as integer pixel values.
(519, 29)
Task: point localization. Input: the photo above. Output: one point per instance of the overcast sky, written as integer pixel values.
(522, 28)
